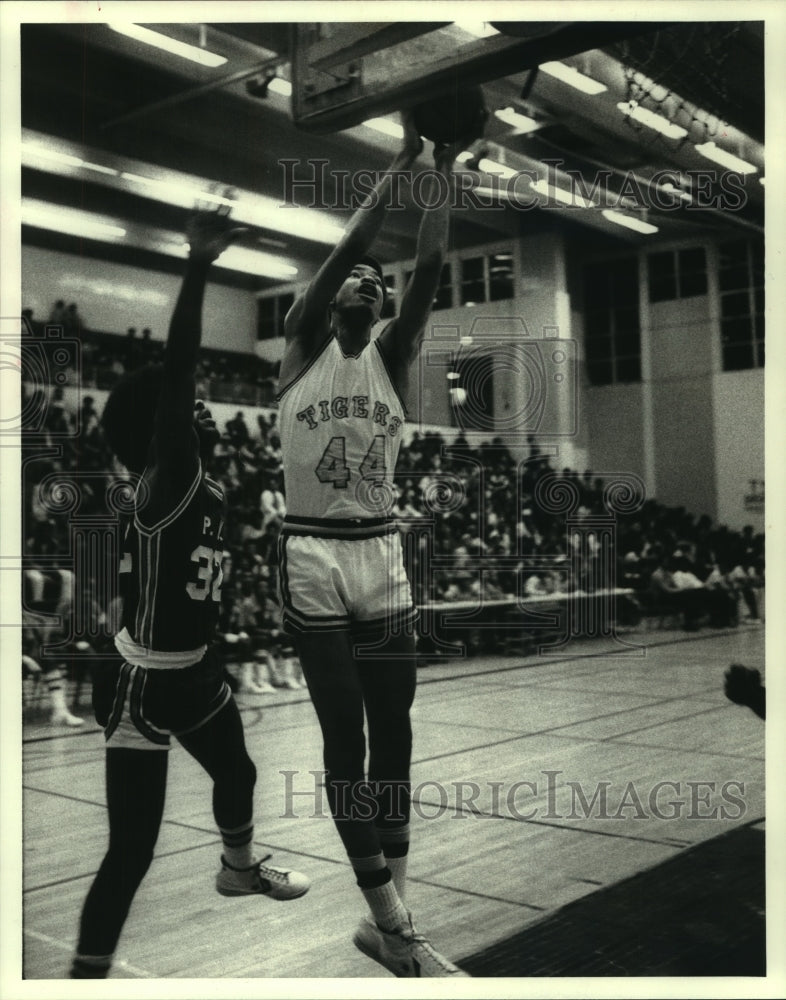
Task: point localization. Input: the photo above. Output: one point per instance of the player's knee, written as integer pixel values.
(248, 772)
(344, 758)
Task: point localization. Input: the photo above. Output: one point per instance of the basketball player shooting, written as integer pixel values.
(342, 411)
(167, 680)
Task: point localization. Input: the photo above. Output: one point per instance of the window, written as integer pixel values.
(741, 286)
(473, 281)
(612, 339)
(501, 283)
(489, 278)
(677, 274)
(271, 313)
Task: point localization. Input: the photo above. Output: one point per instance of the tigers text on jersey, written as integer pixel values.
(170, 579)
(341, 421)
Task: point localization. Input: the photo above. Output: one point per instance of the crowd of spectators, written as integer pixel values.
(474, 529)
(222, 376)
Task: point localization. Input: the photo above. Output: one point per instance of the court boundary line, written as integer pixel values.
(26, 740)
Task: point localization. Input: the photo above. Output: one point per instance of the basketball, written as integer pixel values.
(453, 116)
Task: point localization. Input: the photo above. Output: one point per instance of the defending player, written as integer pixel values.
(168, 681)
(342, 575)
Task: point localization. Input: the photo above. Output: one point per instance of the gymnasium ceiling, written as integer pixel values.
(123, 107)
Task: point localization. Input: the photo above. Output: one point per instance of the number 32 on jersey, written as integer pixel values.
(333, 467)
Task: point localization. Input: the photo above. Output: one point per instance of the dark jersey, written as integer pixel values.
(170, 574)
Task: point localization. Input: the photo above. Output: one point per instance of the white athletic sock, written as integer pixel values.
(398, 869)
(395, 840)
(386, 907)
(238, 846)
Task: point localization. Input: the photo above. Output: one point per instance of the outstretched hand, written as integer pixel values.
(209, 230)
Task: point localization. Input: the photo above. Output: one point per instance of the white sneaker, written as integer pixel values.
(65, 719)
(251, 687)
(405, 953)
(261, 879)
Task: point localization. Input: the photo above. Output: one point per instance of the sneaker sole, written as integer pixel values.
(268, 895)
(360, 944)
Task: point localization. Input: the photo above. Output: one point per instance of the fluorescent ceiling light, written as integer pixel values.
(185, 191)
(171, 45)
(33, 152)
(492, 167)
(254, 210)
(464, 156)
(512, 117)
(632, 109)
(100, 169)
(75, 222)
(68, 220)
(184, 195)
(452, 376)
(386, 126)
(629, 221)
(233, 258)
(670, 188)
(726, 159)
(255, 262)
(567, 74)
(571, 198)
(43, 153)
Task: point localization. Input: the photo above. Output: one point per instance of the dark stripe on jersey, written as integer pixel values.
(338, 522)
(166, 521)
(390, 377)
(150, 549)
(120, 697)
(286, 597)
(309, 365)
(316, 625)
(289, 615)
(144, 727)
(217, 704)
(338, 528)
(215, 488)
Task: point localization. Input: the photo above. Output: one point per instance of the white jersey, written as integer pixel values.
(341, 421)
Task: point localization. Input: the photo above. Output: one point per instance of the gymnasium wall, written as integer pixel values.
(679, 336)
(113, 297)
(694, 433)
(738, 417)
(613, 423)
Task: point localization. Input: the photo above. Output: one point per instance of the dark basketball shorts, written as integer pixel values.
(141, 709)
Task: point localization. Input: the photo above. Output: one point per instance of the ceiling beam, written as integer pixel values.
(435, 64)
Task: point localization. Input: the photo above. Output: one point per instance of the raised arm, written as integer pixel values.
(401, 339)
(174, 448)
(306, 324)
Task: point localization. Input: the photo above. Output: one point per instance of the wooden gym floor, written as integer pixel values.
(505, 860)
